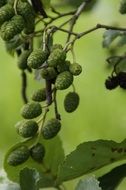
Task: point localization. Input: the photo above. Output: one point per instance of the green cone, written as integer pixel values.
(38, 152)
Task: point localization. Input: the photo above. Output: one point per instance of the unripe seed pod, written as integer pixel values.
(26, 11)
(64, 80)
(75, 69)
(122, 9)
(31, 110)
(56, 57)
(6, 13)
(71, 102)
(27, 129)
(22, 60)
(56, 46)
(63, 67)
(18, 156)
(12, 28)
(37, 58)
(48, 73)
(39, 95)
(2, 2)
(51, 128)
(38, 152)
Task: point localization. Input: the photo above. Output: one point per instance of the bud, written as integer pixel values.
(6, 13)
(12, 28)
(51, 128)
(48, 73)
(122, 9)
(31, 110)
(56, 57)
(71, 102)
(75, 69)
(37, 58)
(64, 80)
(39, 95)
(38, 152)
(27, 128)
(63, 67)
(18, 156)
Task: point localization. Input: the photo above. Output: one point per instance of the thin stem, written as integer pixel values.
(76, 16)
(24, 87)
(57, 115)
(15, 6)
(98, 26)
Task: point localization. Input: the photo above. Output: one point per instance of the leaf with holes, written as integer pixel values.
(90, 156)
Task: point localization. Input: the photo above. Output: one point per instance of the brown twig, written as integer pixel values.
(24, 87)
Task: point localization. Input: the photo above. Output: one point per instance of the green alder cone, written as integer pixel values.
(63, 67)
(39, 95)
(31, 110)
(22, 60)
(56, 57)
(48, 73)
(51, 128)
(38, 152)
(18, 156)
(27, 129)
(75, 69)
(6, 13)
(64, 80)
(2, 2)
(37, 58)
(71, 102)
(12, 28)
(56, 46)
(122, 9)
(26, 11)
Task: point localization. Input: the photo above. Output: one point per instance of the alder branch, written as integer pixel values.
(24, 87)
(98, 26)
(76, 16)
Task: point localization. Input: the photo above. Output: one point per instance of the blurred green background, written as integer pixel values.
(101, 114)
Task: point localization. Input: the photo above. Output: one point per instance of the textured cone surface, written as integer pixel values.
(64, 80)
(123, 7)
(51, 128)
(75, 69)
(38, 152)
(56, 57)
(39, 95)
(2, 2)
(26, 11)
(63, 67)
(71, 102)
(27, 129)
(6, 13)
(122, 79)
(18, 156)
(112, 82)
(56, 46)
(31, 110)
(37, 58)
(11, 28)
(22, 60)
(48, 73)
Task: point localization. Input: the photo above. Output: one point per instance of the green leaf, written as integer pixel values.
(47, 170)
(111, 180)
(29, 179)
(109, 36)
(90, 156)
(122, 41)
(88, 184)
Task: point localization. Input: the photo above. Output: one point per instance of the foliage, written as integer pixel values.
(39, 160)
